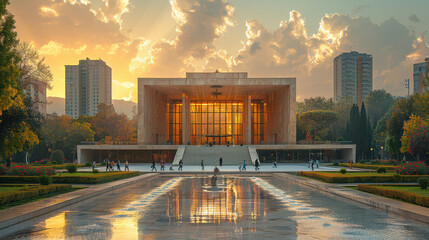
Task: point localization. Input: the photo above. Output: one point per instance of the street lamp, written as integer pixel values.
(382, 153)
(371, 153)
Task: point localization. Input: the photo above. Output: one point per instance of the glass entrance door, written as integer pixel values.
(216, 122)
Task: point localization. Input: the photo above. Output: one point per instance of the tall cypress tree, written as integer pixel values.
(363, 133)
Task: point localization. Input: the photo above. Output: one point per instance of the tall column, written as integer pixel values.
(248, 120)
(185, 133)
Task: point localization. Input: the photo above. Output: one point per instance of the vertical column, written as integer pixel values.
(185, 134)
(248, 121)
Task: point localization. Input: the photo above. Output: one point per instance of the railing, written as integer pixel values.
(264, 143)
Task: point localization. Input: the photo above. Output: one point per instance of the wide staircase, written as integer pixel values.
(233, 155)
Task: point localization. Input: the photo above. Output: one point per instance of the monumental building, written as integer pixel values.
(213, 115)
(419, 71)
(87, 85)
(353, 76)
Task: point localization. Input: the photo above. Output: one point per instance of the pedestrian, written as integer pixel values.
(220, 161)
(171, 167)
(239, 167)
(162, 165)
(244, 165)
(275, 164)
(106, 161)
(202, 164)
(227, 144)
(112, 165)
(317, 163)
(312, 164)
(256, 165)
(180, 165)
(126, 166)
(153, 167)
(207, 143)
(93, 165)
(118, 165)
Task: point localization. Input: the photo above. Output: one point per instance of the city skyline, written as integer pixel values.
(280, 39)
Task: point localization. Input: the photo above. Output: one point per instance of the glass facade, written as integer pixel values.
(216, 121)
(259, 121)
(175, 122)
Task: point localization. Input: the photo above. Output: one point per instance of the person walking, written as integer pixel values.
(202, 164)
(275, 164)
(162, 165)
(153, 167)
(220, 161)
(180, 165)
(118, 165)
(312, 164)
(317, 163)
(244, 165)
(106, 161)
(126, 166)
(93, 165)
(256, 165)
(112, 165)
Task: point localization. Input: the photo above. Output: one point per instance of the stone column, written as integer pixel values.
(247, 138)
(185, 133)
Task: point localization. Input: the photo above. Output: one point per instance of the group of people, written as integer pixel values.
(311, 164)
(162, 164)
(110, 165)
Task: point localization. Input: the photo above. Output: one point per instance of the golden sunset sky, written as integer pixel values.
(161, 38)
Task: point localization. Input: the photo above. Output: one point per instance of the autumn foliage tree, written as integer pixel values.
(317, 120)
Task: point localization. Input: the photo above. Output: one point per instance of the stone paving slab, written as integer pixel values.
(403, 209)
(21, 213)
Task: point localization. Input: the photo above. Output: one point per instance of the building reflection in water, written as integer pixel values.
(232, 200)
(55, 227)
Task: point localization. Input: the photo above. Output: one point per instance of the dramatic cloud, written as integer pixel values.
(414, 18)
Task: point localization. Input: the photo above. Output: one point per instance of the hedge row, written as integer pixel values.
(31, 192)
(344, 178)
(93, 179)
(368, 166)
(397, 194)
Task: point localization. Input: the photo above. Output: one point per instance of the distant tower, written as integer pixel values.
(419, 71)
(87, 85)
(353, 76)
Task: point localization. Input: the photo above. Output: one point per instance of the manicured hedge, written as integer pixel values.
(397, 194)
(344, 178)
(93, 179)
(32, 191)
(368, 166)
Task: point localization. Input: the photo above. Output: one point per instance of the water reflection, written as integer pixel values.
(55, 227)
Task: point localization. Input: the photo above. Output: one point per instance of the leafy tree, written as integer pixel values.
(54, 131)
(394, 125)
(317, 120)
(378, 103)
(316, 103)
(75, 134)
(410, 128)
(10, 92)
(358, 130)
(117, 127)
(419, 143)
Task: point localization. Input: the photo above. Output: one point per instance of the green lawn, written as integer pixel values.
(84, 174)
(364, 173)
(9, 189)
(412, 189)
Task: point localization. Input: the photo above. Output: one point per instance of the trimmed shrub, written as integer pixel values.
(45, 180)
(343, 171)
(95, 171)
(335, 164)
(103, 163)
(32, 191)
(423, 182)
(397, 177)
(398, 194)
(367, 166)
(340, 178)
(381, 170)
(362, 161)
(71, 168)
(95, 178)
(57, 156)
(88, 164)
(26, 170)
(412, 168)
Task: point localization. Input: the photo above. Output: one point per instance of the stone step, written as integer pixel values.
(233, 155)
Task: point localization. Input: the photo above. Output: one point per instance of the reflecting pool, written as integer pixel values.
(232, 208)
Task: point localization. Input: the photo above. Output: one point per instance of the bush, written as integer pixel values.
(71, 168)
(54, 162)
(31, 192)
(368, 166)
(362, 161)
(340, 178)
(45, 180)
(26, 170)
(95, 171)
(343, 171)
(335, 164)
(88, 164)
(423, 182)
(381, 170)
(95, 178)
(103, 163)
(398, 194)
(397, 177)
(57, 156)
(413, 168)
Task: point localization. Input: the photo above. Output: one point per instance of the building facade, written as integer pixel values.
(353, 76)
(36, 91)
(87, 85)
(216, 108)
(419, 72)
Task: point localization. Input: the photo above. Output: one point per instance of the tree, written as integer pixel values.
(54, 131)
(75, 134)
(316, 103)
(10, 92)
(378, 103)
(317, 120)
(419, 143)
(33, 69)
(358, 130)
(394, 125)
(410, 127)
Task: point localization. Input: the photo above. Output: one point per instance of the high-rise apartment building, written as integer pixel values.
(419, 71)
(36, 91)
(353, 76)
(87, 85)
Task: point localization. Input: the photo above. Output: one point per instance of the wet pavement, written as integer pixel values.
(237, 208)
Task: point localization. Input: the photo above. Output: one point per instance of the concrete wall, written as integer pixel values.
(152, 110)
(282, 115)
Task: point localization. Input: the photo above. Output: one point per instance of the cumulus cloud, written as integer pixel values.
(414, 18)
(54, 49)
(124, 84)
